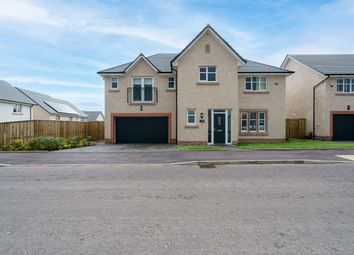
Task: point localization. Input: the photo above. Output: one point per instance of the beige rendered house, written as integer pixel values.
(322, 91)
(206, 94)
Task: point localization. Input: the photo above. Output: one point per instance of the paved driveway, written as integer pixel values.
(62, 209)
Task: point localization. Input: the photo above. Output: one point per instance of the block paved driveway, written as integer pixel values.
(143, 154)
(106, 209)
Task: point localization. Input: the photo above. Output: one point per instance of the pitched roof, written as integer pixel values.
(331, 64)
(161, 61)
(223, 41)
(256, 67)
(53, 105)
(93, 115)
(11, 94)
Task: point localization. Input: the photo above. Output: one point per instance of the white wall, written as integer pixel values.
(7, 115)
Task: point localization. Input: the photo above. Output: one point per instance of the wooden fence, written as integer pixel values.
(296, 128)
(26, 130)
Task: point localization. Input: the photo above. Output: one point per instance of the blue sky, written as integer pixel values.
(56, 47)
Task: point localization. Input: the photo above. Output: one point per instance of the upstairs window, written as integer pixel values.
(57, 117)
(171, 82)
(255, 83)
(345, 85)
(17, 108)
(70, 118)
(114, 84)
(207, 73)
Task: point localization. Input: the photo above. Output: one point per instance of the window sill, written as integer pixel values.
(17, 113)
(142, 103)
(207, 83)
(113, 90)
(344, 94)
(170, 90)
(253, 133)
(255, 92)
(191, 126)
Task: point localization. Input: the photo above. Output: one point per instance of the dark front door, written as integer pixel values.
(343, 127)
(219, 128)
(142, 130)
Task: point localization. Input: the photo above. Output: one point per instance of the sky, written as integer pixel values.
(57, 46)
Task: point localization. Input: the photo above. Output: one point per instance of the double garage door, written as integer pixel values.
(343, 127)
(142, 129)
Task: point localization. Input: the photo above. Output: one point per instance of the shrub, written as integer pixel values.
(84, 142)
(47, 143)
(73, 141)
(18, 145)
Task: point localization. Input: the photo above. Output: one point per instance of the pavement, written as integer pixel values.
(164, 209)
(154, 154)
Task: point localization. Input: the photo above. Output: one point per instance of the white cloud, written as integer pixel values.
(51, 82)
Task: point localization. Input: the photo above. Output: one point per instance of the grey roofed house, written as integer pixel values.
(162, 62)
(94, 115)
(53, 105)
(327, 64)
(9, 93)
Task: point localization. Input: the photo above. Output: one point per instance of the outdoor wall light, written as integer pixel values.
(141, 108)
(331, 84)
(276, 83)
(201, 115)
(348, 107)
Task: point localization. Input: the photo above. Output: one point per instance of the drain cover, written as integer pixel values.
(207, 165)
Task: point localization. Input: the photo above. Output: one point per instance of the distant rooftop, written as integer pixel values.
(93, 115)
(331, 64)
(53, 105)
(11, 94)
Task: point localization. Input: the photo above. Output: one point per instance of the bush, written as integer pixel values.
(47, 143)
(18, 145)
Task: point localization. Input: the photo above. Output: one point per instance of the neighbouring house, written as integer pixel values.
(14, 106)
(322, 92)
(50, 108)
(206, 94)
(95, 115)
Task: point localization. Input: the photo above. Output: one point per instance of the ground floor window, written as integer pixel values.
(253, 121)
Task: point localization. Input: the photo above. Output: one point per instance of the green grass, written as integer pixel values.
(199, 148)
(298, 144)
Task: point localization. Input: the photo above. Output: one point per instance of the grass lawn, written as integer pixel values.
(200, 148)
(298, 144)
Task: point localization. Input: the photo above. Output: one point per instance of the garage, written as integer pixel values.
(343, 127)
(142, 129)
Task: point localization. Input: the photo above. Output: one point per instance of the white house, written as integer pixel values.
(95, 115)
(14, 106)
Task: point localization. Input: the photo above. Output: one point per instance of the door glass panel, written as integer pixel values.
(209, 126)
(136, 89)
(229, 126)
(148, 93)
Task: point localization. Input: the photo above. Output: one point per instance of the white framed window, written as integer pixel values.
(255, 83)
(57, 117)
(207, 73)
(114, 83)
(244, 121)
(143, 89)
(191, 118)
(171, 83)
(71, 118)
(17, 108)
(253, 121)
(345, 85)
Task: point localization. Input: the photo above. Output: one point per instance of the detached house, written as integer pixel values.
(206, 94)
(14, 106)
(51, 108)
(322, 91)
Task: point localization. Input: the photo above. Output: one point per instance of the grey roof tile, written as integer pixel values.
(11, 94)
(328, 64)
(256, 67)
(44, 101)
